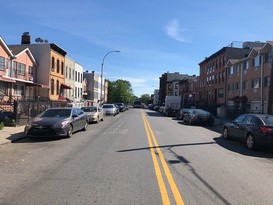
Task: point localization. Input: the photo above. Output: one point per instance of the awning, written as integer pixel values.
(37, 85)
(64, 86)
(6, 79)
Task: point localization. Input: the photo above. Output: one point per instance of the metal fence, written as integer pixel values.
(24, 111)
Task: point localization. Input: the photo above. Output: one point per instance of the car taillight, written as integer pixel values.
(266, 129)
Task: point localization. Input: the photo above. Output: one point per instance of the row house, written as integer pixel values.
(43, 71)
(70, 78)
(248, 81)
(18, 73)
(93, 87)
(169, 85)
(212, 72)
(51, 62)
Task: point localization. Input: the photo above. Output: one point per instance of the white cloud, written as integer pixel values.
(174, 30)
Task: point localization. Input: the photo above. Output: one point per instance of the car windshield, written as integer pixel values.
(202, 112)
(107, 106)
(89, 109)
(56, 113)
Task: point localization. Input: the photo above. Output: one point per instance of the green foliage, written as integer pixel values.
(145, 98)
(10, 122)
(120, 91)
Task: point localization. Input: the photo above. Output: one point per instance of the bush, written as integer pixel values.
(10, 122)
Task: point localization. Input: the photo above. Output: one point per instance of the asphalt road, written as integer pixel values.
(137, 157)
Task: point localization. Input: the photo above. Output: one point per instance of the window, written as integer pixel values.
(220, 92)
(237, 86)
(256, 83)
(58, 66)
(256, 61)
(62, 68)
(52, 86)
(18, 90)
(52, 63)
(245, 85)
(21, 68)
(266, 81)
(231, 70)
(30, 70)
(238, 68)
(2, 63)
(57, 87)
(76, 73)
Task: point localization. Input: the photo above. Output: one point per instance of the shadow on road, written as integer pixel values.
(240, 147)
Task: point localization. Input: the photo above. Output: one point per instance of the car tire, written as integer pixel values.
(85, 126)
(102, 119)
(69, 131)
(225, 133)
(250, 142)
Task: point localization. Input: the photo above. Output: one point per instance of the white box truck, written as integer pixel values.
(172, 105)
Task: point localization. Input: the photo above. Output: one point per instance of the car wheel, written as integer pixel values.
(101, 119)
(69, 131)
(85, 126)
(225, 133)
(250, 142)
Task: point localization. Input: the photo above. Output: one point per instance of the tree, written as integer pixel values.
(145, 98)
(120, 91)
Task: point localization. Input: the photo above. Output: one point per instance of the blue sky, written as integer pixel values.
(154, 36)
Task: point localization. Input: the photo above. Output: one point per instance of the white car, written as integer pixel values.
(110, 109)
(94, 113)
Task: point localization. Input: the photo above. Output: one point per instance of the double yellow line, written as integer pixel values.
(154, 148)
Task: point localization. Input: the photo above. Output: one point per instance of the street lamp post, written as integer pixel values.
(101, 74)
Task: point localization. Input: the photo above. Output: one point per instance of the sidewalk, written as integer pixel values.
(11, 134)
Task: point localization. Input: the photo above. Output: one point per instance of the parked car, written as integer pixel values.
(94, 113)
(57, 122)
(180, 114)
(198, 116)
(121, 107)
(110, 109)
(253, 129)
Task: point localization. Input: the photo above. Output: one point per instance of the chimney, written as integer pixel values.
(25, 38)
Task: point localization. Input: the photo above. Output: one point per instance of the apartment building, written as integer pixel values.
(69, 79)
(93, 87)
(78, 94)
(212, 72)
(169, 85)
(248, 80)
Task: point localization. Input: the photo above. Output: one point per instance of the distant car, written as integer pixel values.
(94, 113)
(57, 122)
(110, 109)
(121, 107)
(180, 114)
(253, 129)
(137, 104)
(198, 117)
